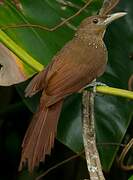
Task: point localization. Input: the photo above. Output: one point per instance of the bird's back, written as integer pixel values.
(77, 64)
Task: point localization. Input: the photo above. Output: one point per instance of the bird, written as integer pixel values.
(76, 65)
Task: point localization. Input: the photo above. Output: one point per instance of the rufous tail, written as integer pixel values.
(39, 138)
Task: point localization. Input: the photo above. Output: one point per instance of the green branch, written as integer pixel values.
(114, 91)
(21, 53)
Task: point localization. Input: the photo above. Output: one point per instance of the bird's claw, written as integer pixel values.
(93, 85)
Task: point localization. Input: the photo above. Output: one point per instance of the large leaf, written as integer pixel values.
(11, 70)
(112, 114)
(131, 178)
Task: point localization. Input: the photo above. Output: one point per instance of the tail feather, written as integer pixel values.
(40, 135)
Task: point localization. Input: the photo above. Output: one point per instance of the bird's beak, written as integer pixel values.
(113, 17)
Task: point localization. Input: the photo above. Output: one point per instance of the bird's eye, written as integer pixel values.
(95, 21)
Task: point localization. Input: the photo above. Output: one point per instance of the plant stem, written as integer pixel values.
(89, 137)
(114, 91)
(21, 53)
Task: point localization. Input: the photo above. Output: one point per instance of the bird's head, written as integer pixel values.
(96, 25)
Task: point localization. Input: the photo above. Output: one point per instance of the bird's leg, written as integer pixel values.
(44, 27)
(93, 85)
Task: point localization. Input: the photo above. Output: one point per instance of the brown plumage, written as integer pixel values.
(77, 64)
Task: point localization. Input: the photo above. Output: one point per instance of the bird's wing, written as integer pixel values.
(36, 84)
(75, 67)
(39, 82)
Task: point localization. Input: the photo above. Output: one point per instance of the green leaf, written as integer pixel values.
(131, 178)
(113, 114)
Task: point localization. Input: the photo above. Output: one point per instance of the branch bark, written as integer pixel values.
(91, 153)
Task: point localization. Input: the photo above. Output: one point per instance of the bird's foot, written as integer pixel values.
(93, 85)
